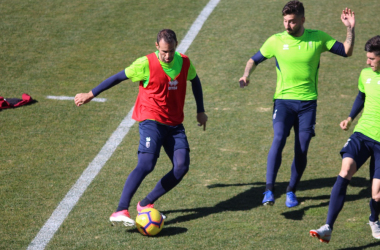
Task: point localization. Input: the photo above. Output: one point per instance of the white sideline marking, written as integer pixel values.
(66, 205)
(70, 98)
(197, 25)
(72, 197)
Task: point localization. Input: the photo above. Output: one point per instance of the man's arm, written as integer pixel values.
(356, 108)
(338, 49)
(198, 95)
(110, 82)
(348, 19)
(83, 98)
(250, 67)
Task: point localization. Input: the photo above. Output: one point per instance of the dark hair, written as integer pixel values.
(168, 35)
(373, 45)
(294, 7)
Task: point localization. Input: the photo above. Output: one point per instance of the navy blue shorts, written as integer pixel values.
(300, 114)
(360, 147)
(153, 135)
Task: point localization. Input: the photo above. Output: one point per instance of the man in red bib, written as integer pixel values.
(159, 109)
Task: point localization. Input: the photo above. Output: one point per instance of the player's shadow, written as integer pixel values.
(243, 201)
(371, 245)
(298, 212)
(166, 231)
(252, 198)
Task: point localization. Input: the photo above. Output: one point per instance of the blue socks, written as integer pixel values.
(337, 198)
(375, 209)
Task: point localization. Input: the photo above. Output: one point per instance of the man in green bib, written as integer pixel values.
(297, 53)
(364, 143)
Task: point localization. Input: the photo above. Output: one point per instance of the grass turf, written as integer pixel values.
(62, 48)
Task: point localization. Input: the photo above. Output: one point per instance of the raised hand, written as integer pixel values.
(348, 18)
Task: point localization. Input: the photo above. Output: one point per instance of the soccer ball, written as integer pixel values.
(149, 222)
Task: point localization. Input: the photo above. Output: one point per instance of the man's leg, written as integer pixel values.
(177, 148)
(337, 198)
(281, 132)
(181, 161)
(148, 152)
(375, 199)
(304, 130)
(374, 205)
(145, 165)
(283, 120)
(274, 161)
(301, 146)
(339, 190)
(354, 153)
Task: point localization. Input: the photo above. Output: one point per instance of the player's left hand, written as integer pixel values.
(348, 18)
(202, 119)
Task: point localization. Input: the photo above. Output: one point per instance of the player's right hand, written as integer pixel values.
(83, 98)
(243, 81)
(345, 124)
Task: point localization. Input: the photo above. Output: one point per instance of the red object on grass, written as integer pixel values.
(14, 103)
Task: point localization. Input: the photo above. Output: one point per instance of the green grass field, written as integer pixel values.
(66, 47)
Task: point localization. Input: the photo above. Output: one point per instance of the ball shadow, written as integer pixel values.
(165, 232)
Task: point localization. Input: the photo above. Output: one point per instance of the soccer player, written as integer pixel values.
(159, 109)
(363, 144)
(297, 52)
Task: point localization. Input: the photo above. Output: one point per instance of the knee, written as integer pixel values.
(376, 197)
(181, 168)
(145, 168)
(181, 165)
(376, 189)
(346, 173)
(279, 139)
(304, 141)
(348, 168)
(146, 162)
(301, 152)
(180, 172)
(376, 194)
